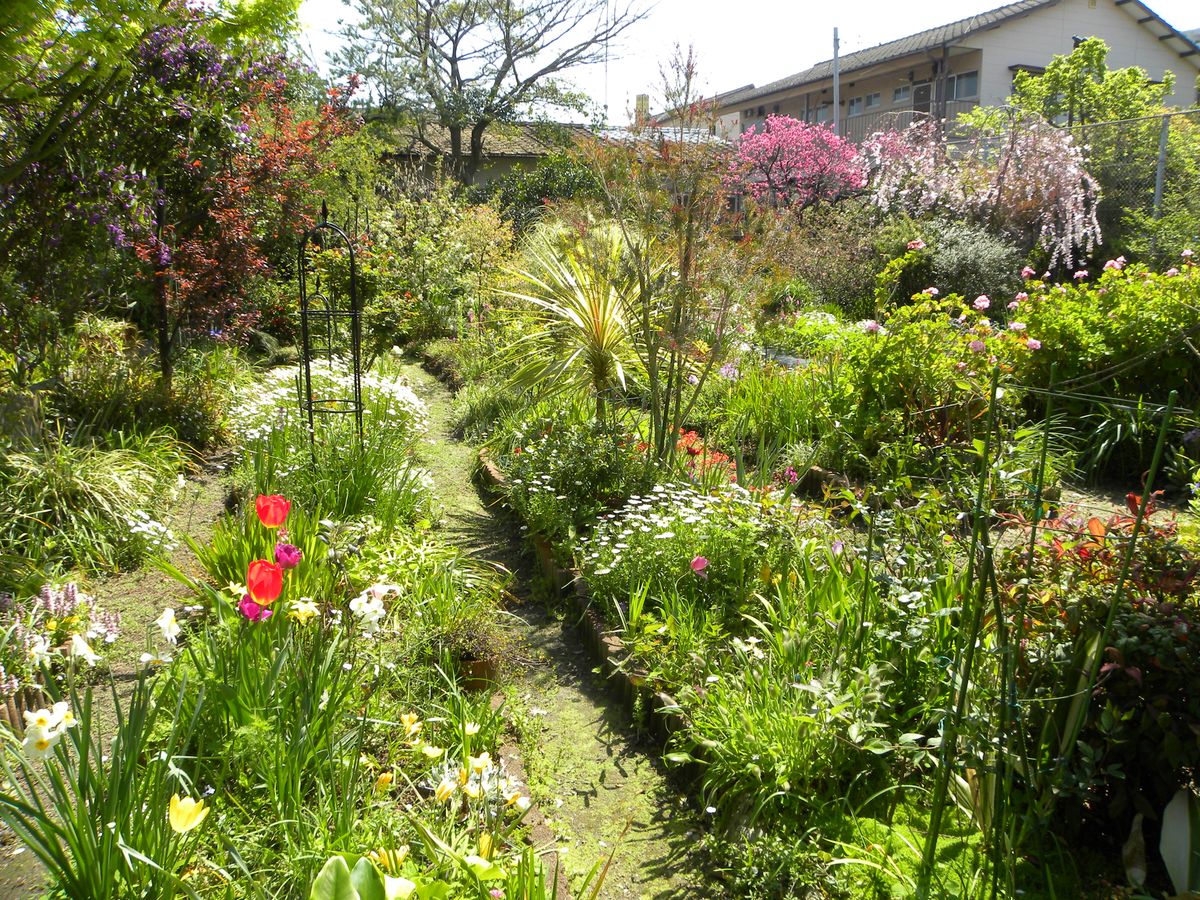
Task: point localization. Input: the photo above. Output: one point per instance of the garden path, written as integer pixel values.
(588, 772)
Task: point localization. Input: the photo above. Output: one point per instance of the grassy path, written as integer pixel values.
(590, 776)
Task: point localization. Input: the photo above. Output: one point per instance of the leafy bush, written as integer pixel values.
(1137, 741)
(88, 506)
(523, 194)
(964, 259)
(561, 478)
(106, 382)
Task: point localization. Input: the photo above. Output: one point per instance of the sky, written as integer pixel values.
(737, 42)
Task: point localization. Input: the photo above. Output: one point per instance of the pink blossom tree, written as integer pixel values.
(1022, 176)
(791, 164)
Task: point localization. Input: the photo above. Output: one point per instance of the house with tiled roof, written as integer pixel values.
(506, 146)
(945, 70)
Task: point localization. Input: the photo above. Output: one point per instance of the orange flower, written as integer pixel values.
(272, 509)
(265, 581)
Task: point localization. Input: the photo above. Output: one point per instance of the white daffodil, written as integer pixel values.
(169, 626)
(80, 649)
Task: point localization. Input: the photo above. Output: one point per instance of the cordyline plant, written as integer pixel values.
(1024, 177)
(665, 189)
(792, 164)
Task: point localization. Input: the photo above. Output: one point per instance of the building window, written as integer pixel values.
(761, 110)
(776, 109)
(962, 87)
(872, 100)
(855, 106)
(902, 94)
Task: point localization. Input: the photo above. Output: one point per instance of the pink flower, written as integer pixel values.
(1171, 272)
(931, 291)
(837, 547)
(700, 566)
(1027, 272)
(1016, 326)
(253, 611)
(1187, 254)
(870, 326)
(1033, 344)
(1080, 275)
(961, 367)
(288, 556)
(976, 346)
(1115, 265)
(982, 302)
(791, 475)
(918, 244)
(1012, 305)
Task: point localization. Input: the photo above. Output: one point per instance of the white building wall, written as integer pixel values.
(1033, 39)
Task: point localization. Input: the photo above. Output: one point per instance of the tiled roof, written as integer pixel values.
(905, 46)
(500, 140)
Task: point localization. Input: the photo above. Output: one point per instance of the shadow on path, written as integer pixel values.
(592, 774)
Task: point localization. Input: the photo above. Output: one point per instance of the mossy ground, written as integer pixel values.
(599, 787)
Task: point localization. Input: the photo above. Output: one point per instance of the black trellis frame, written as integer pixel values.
(328, 316)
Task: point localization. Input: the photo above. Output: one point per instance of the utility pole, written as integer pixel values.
(837, 87)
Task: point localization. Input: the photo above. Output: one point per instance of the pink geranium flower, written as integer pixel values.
(1033, 344)
(1027, 272)
(918, 244)
(982, 302)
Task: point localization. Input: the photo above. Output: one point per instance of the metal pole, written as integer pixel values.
(837, 87)
(1160, 170)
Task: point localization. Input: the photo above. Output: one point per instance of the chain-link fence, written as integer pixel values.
(1149, 174)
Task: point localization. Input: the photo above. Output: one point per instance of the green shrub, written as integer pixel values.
(87, 506)
(561, 477)
(107, 382)
(957, 258)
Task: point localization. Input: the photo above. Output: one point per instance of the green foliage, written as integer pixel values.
(1137, 743)
(1079, 87)
(580, 337)
(958, 258)
(562, 477)
(95, 812)
(104, 382)
(523, 194)
(88, 506)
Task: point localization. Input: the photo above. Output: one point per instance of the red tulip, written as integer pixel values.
(265, 580)
(272, 509)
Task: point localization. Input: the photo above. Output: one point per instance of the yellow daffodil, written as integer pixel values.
(481, 762)
(445, 790)
(389, 860)
(511, 797)
(485, 846)
(473, 790)
(464, 775)
(383, 782)
(412, 724)
(431, 751)
(186, 814)
(304, 610)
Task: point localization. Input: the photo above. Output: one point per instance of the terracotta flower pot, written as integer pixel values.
(477, 674)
